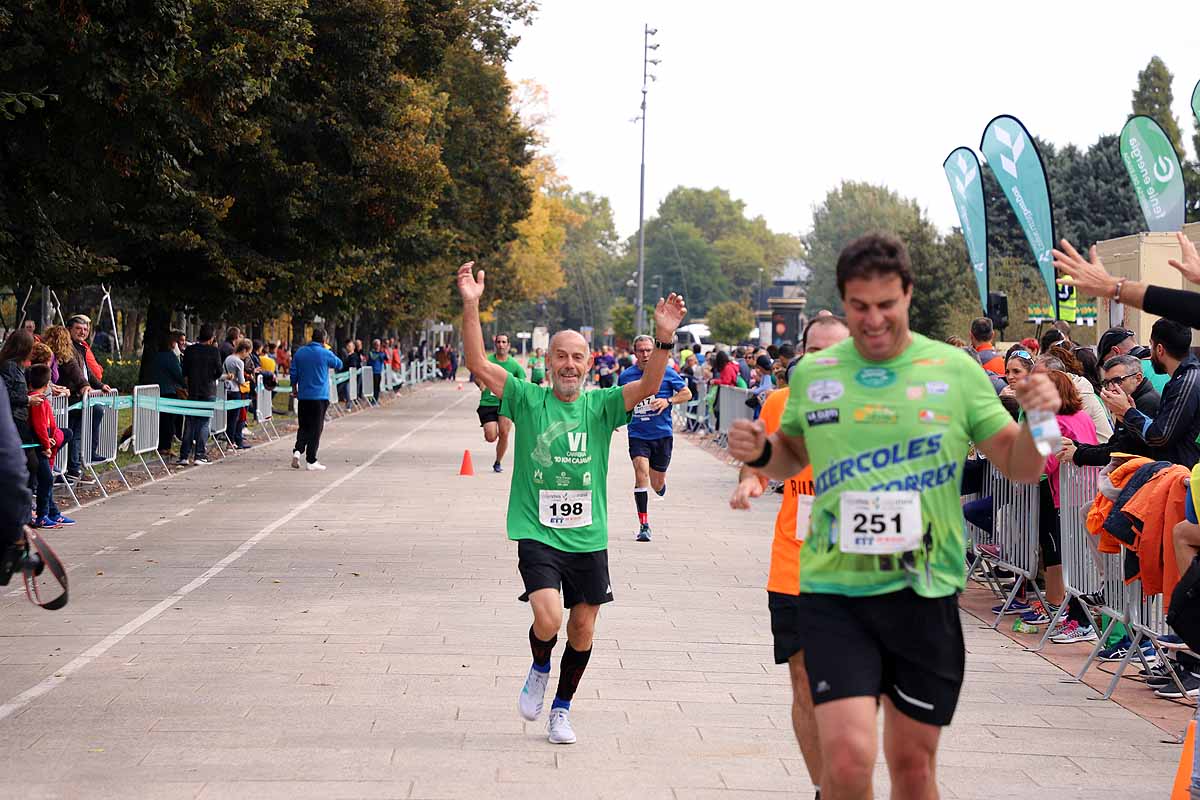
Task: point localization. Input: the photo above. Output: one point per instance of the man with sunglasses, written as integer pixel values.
(495, 427)
(1122, 376)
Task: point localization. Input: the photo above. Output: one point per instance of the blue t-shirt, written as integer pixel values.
(645, 423)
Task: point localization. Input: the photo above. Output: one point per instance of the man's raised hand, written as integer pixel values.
(470, 286)
(1089, 277)
(1190, 266)
(667, 316)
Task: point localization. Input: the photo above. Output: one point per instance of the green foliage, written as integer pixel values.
(730, 321)
(620, 317)
(849, 211)
(1153, 97)
(702, 245)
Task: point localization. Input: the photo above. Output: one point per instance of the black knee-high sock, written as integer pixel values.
(541, 650)
(571, 670)
(641, 498)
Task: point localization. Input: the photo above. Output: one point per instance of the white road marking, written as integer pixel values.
(113, 639)
(158, 522)
(136, 535)
(185, 512)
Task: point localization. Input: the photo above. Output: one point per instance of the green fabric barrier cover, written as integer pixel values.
(341, 377)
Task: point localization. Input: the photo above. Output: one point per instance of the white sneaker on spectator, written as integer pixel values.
(295, 459)
(316, 465)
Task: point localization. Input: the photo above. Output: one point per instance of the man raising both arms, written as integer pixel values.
(557, 507)
(885, 418)
(650, 433)
(495, 427)
(791, 526)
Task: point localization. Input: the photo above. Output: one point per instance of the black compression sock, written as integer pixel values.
(541, 650)
(571, 670)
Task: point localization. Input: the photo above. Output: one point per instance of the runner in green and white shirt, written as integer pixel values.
(496, 428)
(558, 508)
(885, 419)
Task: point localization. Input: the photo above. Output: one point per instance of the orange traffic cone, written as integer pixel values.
(1183, 776)
(467, 468)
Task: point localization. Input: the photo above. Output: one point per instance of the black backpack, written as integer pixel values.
(1184, 616)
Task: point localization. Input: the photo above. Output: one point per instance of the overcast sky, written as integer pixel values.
(779, 101)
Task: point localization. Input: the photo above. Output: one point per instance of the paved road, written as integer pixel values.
(243, 630)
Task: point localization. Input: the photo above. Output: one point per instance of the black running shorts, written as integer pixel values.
(899, 644)
(581, 577)
(785, 625)
(488, 414)
(658, 451)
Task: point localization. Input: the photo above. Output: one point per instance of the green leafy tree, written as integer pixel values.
(849, 211)
(620, 317)
(730, 321)
(1153, 97)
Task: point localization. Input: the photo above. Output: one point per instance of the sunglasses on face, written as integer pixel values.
(1110, 382)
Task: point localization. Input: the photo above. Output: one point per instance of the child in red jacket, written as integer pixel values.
(49, 438)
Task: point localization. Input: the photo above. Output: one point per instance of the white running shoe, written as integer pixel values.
(533, 694)
(316, 465)
(560, 728)
(295, 459)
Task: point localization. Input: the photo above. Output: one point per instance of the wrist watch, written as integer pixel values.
(664, 345)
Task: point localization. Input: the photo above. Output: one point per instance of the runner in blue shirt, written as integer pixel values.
(650, 432)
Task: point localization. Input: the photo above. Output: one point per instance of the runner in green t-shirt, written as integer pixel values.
(495, 427)
(557, 508)
(537, 367)
(885, 419)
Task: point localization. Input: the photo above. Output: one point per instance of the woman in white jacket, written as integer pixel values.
(1092, 404)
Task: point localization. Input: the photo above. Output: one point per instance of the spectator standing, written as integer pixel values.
(14, 482)
(92, 376)
(49, 439)
(982, 335)
(453, 362)
(396, 358)
(1091, 401)
(310, 383)
(14, 355)
(283, 358)
(168, 371)
(378, 358)
(232, 335)
(201, 369)
(235, 387)
(1122, 374)
(1115, 342)
(29, 325)
(1173, 432)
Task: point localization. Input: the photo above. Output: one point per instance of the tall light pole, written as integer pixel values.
(639, 314)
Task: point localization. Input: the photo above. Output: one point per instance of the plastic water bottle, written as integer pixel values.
(1046, 434)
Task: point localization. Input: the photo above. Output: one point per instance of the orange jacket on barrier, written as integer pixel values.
(1158, 506)
(1102, 506)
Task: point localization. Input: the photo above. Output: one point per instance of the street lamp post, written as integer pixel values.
(639, 322)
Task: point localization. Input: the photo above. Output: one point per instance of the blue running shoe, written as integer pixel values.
(661, 492)
(1017, 607)
(63, 519)
(497, 468)
(644, 533)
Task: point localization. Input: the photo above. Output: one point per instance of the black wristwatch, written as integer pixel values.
(664, 345)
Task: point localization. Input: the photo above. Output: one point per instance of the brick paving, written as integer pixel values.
(355, 634)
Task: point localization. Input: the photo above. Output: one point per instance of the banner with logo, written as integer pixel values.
(1154, 169)
(1196, 101)
(962, 170)
(1015, 161)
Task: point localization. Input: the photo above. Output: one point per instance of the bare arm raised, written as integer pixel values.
(667, 316)
(487, 374)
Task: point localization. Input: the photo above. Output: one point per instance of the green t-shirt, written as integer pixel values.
(898, 425)
(560, 464)
(537, 368)
(512, 367)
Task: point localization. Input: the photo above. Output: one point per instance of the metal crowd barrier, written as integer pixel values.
(367, 388)
(731, 406)
(146, 417)
(265, 408)
(333, 396)
(100, 448)
(59, 404)
(1081, 560)
(1015, 518)
(352, 388)
(694, 413)
(220, 419)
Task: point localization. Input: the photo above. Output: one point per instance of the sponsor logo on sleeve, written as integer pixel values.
(825, 391)
(822, 416)
(914, 392)
(937, 388)
(825, 361)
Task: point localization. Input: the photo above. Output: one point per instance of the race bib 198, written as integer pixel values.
(879, 523)
(565, 509)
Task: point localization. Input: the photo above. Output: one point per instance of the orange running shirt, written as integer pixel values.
(784, 576)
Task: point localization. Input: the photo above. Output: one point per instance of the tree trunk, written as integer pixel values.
(158, 327)
(298, 324)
